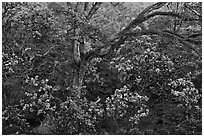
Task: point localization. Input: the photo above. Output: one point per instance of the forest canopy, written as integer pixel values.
(98, 68)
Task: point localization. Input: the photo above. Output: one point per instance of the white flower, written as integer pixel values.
(157, 70)
(182, 94)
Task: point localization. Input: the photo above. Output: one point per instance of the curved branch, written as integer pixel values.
(164, 33)
(173, 14)
(125, 33)
(195, 35)
(151, 8)
(193, 11)
(141, 19)
(169, 34)
(187, 39)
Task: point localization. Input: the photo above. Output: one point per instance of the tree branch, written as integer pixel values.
(151, 8)
(85, 6)
(166, 33)
(173, 15)
(193, 11)
(93, 10)
(143, 16)
(76, 7)
(187, 39)
(111, 46)
(141, 19)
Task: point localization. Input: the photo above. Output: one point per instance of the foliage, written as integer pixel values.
(128, 75)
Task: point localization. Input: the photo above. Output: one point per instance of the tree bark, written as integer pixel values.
(80, 61)
(78, 79)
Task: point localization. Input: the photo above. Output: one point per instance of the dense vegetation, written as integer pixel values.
(102, 68)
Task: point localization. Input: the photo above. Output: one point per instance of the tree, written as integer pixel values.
(86, 63)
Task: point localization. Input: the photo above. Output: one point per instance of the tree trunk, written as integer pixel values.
(78, 79)
(81, 67)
